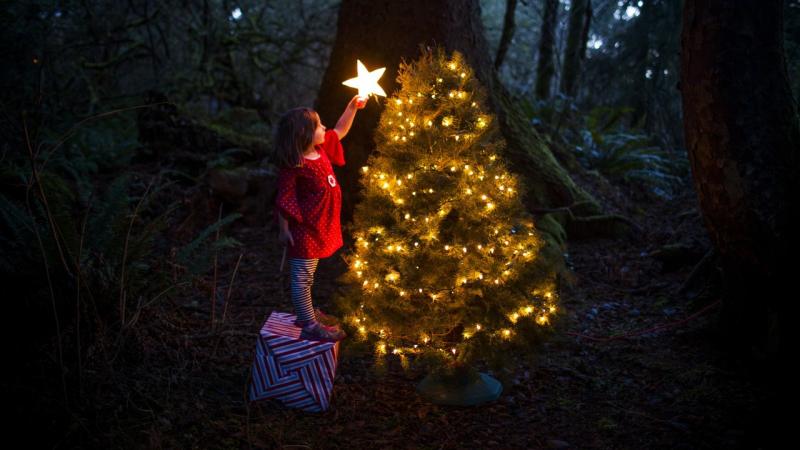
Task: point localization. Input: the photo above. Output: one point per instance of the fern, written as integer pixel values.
(107, 224)
(227, 158)
(629, 157)
(602, 144)
(197, 255)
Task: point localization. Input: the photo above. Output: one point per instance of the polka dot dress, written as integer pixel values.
(310, 199)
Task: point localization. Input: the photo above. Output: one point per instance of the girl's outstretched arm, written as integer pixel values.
(344, 123)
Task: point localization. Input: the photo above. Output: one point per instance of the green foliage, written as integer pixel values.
(197, 255)
(78, 225)
(226, 159)
(242, 127)
(602, 143)
(112, 247)
(85, 151)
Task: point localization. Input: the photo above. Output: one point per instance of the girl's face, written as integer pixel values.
(319, 133)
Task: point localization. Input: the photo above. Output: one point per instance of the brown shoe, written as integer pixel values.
(326, 319)
(316, 331)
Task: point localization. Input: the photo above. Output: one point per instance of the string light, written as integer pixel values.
(464, 129)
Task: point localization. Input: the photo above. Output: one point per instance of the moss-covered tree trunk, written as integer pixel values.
(382, 33)
(743, 139)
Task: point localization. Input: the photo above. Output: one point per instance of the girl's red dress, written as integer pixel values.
(310, 199)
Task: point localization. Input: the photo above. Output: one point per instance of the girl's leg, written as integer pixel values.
(302, 277)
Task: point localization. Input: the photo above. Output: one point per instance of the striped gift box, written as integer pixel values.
(295, 371)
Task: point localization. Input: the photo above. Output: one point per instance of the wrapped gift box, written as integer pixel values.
(295, 371)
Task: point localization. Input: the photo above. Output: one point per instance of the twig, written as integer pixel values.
(78, 296)
(214, 282)
(122, 292)
(705, 261)
(44, 258)
(184, 283)
(38, 182)
(230, 287)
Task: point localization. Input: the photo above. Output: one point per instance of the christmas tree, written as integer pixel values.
(443, 271)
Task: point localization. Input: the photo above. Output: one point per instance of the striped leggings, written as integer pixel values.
(301, 274)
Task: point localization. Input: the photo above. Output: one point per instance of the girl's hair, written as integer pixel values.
(294, 135)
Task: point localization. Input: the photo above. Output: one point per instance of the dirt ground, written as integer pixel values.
(661, 382)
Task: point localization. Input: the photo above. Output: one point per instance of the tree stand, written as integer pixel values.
(467, 388)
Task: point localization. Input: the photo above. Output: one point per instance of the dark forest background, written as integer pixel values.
(136, 172)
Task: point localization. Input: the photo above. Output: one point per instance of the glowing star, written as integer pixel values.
(366, 82)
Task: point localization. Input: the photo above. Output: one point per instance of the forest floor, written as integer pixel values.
(662, 383)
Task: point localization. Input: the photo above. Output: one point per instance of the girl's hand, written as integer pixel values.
(285, 236)
(358, 102)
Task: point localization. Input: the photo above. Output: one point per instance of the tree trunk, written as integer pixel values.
(545, 67)
(642, 28)
(579, 16)
(508, 33)
(743, 136)
(381, 33)
(587, 21)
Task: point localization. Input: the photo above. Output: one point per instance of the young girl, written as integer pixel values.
(308, 204)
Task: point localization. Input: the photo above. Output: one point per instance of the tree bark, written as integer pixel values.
(507, 35)
(381, 33)
(579, 18)
(743, 136)
(545, 67)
